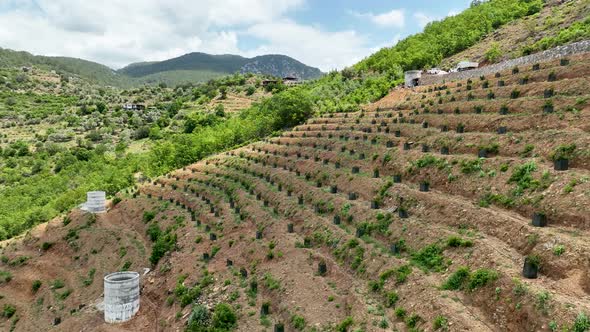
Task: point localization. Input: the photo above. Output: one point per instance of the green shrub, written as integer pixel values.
(582, 323)
(429, 258)
(345, 324)
(148, 216)
(298, 322)
(413, 320)
(36, 285)
(440, 323)
(8, 310)
(5, 276)
(565, 151)
(400, 312)
(457, 280)
(391, 298)
(456, 241)
(224, 317)
(480, 278)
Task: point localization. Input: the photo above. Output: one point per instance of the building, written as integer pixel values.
(290, 81)
(436, 71)
(133, 107)
(466, 65)
(412, 78)
(269, 82)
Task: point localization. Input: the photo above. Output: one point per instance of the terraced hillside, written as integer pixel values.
(413, 214)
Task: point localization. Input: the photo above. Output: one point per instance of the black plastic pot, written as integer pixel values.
(548, 109)
(502, 130)
(536, 66)
(337, 220)
(258, 235)
(460, 129)
(501, 83)
(300, 200)
(352, 196)
(503, 110)
(444, 129)
(529, 270)
(212, 236)
(402, 213)
(444, 150)
(407, 146)
(333, 189)
(205, 256)
(424, 124)
(397, 178)
(398, 133)
(360, 232)
(229, 262)
(279, 327)
(561, 164)
(289, 228)
(395, 249)
(564, 62)
(425, 148)
(361, 156)
(548, 93)
(337, 165)
(265, 309)
(439, 111)
(389, 144)
(374, 205)
(322, 268)
(376, 173)
(355, 170)
(539, 219)
(424, 186)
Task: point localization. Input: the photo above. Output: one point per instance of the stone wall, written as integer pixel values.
(554, 53)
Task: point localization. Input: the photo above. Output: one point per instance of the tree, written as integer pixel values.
(223, 92)
(224, 317)
(290, 107)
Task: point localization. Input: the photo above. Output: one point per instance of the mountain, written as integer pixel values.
(88, 70)
(202, 66)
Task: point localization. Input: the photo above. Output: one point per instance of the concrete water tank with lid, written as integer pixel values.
(121, 296)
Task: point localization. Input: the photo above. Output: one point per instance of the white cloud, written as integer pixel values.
(393, 18)
(309, 44)
(423, 19)
(117, 32)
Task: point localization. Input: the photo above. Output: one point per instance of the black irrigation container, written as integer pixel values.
(205, 256)
(482, 153)
(290, 228)
(360, 232)
(333, 189)
(501, 130)
(548, 93)
(229, 262)
(395, 249)
(402, 213)
(407, 146)
(243, 272)
(322, 268)
(352, 196)
(424, 186)
(444, 129)
(355, 170)
(561, 164)
(265, 309)
(439, 111)
(361, 156)
(501, 83)
(530, 269)
(212, 236)
(337, 220)
(504, 110)
(424, 124)
(425, 148)
(564, 62)
(444, 150)
(460, 129)
(548, 109)
(258, 235)
(389, 144)
(374, 205)
(536, 66)
(539, 219)
(398, 133)
(397, 178)
(376, 173)
(300, 200)
(279, 327)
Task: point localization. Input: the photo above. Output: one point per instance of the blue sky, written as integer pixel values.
(327, 34)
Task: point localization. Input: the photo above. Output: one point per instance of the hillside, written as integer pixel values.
(90, 71)
(201, 66)
(556, 24)
(395, 217)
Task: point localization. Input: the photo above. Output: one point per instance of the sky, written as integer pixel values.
(327, 34)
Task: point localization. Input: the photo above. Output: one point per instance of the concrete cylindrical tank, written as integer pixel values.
(96, 201)
(121, 296)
